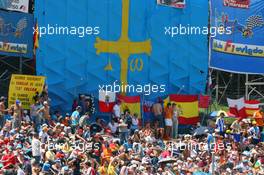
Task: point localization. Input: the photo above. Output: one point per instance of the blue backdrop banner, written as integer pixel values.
(93, 44)
(242, 49)
(16, 34)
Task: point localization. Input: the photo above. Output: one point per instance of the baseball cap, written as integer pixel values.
(17, 101)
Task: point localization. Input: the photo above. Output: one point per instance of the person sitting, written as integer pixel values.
(113, 126)
(96, 127)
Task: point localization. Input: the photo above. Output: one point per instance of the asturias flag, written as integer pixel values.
(188, 106)
(237, 107)
(106, 101)
(36, 38)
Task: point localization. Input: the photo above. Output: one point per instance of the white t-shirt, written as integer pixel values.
(134, 121)
(43, 136)
(113, 127)
(20, 172)
(26, 118)
(36, 147)
(117, 110)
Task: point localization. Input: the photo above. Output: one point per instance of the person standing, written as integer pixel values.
(236, 130)
(157, 111)
(45, 111)
(35, 116)
(84, 120)
(254, 131)
(17, 114)
(262, 135)
(75, 118)
(128, 120)
(117, 109)
(175, 121)
(220, 124)
(2, 112)
(135, 123)
(123, 130)
(168, 120)
(36, 148)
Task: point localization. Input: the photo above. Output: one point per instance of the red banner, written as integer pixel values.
(204, 101)
(237, 3)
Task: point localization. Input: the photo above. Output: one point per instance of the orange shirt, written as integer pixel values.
(259, 118)
(168, 113)
(107, 153)
(65, 122)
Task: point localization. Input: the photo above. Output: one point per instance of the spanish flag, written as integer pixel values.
(166, 101)
(188, 106)
(36, 38)
(131, 103)
(251, 106)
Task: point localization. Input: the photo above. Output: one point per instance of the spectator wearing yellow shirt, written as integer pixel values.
(259, 117)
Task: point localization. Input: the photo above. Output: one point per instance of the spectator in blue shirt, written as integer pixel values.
(75, 118)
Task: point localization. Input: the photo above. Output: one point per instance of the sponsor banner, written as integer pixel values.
(237, 3)
(238, 49)
(24, 88)
(15, 5)
(241, 50)
(172, 3)
(13, 48)
(16, 34)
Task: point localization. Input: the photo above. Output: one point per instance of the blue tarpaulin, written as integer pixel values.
(75, 63)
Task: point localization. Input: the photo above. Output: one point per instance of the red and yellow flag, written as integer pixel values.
(188, 106)
(36, 38)
(251, 106)
(130, 102)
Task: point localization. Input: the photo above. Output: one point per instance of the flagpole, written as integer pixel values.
(142, 109)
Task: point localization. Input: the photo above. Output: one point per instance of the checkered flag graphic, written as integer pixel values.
(254, 21)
